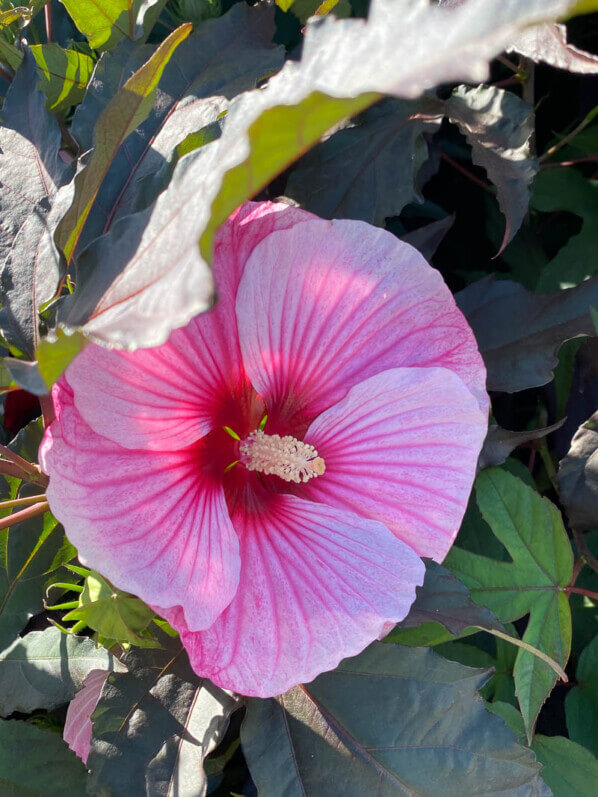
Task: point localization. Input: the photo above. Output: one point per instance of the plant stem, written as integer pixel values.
(31, 499)
(16, 459)
(47, 407)
(505, 62)
(573, 162)
(456, 165)
(566, 139)
(25, 514)
(581, 591)
(49, 22)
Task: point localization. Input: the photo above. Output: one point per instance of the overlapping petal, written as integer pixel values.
(402, 447)
(155, 524)
(169, 396)
(78, 726)
(326, 304)
(317, 584)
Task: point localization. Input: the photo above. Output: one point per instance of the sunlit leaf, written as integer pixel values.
(31, 172)
(129, 108)
(45, 668)
(498, 125)
(155, 724)
(64, 74)
(548, 43)
(401, 50)
(531, 529)
(114, 614)
(221, 59)
(107, 22)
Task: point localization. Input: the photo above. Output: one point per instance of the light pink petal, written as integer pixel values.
(78, 725)
(155, 524)
(317, 584)
(326, 304)
(171, 395)
(402, 448)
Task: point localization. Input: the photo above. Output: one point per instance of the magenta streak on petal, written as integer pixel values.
(402, 447)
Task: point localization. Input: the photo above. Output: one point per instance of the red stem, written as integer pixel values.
(47, 406)
(24, 514)
(455, 164)
(581, 591)
(49, 22)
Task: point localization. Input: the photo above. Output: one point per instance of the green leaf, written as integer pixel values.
(127, 110)
(64, 74)
(498, 125)
(522, 353)
(31, 172)
(346, 65)
(399, 720)
(154, 725)
(511, 716)
(569, 769)
(500, 442)
(114, 614)
(30, 551)
(106, 22)
(224, 57)
(443, 601)
(368, 171)
(45, 668)
(566, 189)
(37, 763)
(578, 476)
(54, 355)
(531, 529)
(583, 7)
(581, 703)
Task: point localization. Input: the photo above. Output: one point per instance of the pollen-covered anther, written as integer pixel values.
(285, 457)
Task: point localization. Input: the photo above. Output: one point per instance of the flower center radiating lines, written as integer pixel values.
(286, 457)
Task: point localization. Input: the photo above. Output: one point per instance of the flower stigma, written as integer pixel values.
(285, 457)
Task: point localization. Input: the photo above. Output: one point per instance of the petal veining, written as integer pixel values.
(169, 396)
(325, 304)
(317, 584)
(154, 523)
(402, 447)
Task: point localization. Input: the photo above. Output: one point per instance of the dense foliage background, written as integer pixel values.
(130, 130)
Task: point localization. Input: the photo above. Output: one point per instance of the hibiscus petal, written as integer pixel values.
(171, 395)
(317, 584)
(326, 304)
(78, 725)
(402, 447)
(155, 524)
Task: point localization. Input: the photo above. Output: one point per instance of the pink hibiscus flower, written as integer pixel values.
(269, 477)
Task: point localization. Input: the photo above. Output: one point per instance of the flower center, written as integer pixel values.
(286, 457)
